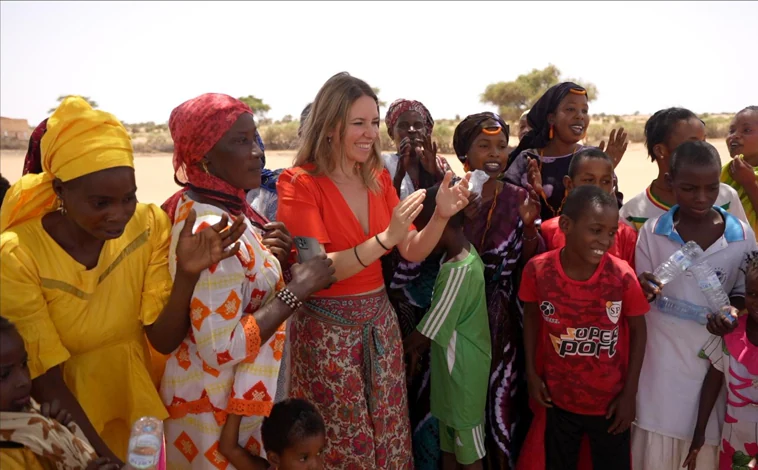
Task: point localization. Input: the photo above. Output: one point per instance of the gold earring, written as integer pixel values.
(62, 208)
(204, 164)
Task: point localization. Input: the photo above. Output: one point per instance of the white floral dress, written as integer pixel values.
(221, 366)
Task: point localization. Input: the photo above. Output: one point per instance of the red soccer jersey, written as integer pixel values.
(583, 367)
(623, 247)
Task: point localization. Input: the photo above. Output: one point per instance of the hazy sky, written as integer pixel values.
(140, 60)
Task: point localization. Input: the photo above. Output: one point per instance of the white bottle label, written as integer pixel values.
(144, 452)
(710, 282)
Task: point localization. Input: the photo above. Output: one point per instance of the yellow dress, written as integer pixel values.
(23, 459)
(91, 321)
(750, 211)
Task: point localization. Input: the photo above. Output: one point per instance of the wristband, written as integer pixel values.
(286, 296)
(355, 250)
(380, 243)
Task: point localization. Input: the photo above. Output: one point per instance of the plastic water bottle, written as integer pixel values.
(710, 285)
(146, 445)
(682, 309)
(678, 262)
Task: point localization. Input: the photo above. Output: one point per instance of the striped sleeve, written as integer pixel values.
(448, 302)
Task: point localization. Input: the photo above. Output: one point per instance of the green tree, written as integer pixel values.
(382, 104)
(60, 99)
(513, 98)
(256, 104)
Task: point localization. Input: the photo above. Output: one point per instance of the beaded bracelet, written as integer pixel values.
(286, 296)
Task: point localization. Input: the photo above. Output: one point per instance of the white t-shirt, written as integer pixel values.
(672, 372)
(644, 206)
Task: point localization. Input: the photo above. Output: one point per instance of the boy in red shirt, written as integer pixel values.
(592, 166)
(584, 296)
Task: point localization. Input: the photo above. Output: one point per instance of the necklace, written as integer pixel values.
(498, 188)
(565, 193)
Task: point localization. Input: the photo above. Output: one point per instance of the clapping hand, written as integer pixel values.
(617, 144)
(278, 241)
(452, 199)
(534, 176)
(196, 252)
(529, 210)
(428, 156)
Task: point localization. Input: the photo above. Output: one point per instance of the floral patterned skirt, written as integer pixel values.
(347, 359)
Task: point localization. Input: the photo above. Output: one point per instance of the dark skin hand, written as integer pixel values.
(408, 164)
(228, 446)
(414, 345)
(712, 384)
(103, 463)
(278, 240)
(419, 153)
(50, 387)
(718, 324)
(617, 144)
(537, 389)
(623, 409)
(195, 253)
(428, 157)
(55, 411)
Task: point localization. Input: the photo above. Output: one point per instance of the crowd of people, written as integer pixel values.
(363, 310)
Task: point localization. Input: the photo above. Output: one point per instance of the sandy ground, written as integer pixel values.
(155, 173)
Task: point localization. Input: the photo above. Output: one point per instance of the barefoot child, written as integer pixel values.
(737, 354)
(34, 437)
(664, 132)
(591, 166)
(458, 327)
(742, 173)
(673, 373)
(578, 299)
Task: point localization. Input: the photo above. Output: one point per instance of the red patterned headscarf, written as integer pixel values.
(398, 107)
(196, 126)
(33, 160)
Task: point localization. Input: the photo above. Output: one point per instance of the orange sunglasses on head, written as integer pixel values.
(578, 92)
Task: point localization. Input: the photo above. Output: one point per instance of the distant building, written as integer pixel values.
(14, 128)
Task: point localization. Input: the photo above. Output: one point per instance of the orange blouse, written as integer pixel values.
(312, 206)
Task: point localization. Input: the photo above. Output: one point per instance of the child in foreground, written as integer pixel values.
(742, 173)
(735, 356)
(577, 301)
(664, 132)
(34, 437)
(591, 166)
(672, 376)
(458, 327)
(294, 437)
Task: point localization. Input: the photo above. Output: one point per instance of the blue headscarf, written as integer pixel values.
(268, 177)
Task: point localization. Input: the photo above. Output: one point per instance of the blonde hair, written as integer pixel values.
(330, 111)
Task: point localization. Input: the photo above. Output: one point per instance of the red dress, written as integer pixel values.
(347, 354)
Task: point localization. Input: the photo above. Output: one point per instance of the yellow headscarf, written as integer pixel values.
(79, 141)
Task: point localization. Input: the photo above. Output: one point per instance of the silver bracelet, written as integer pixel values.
(286, 296)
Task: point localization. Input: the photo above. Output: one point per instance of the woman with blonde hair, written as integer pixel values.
(347, 355)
